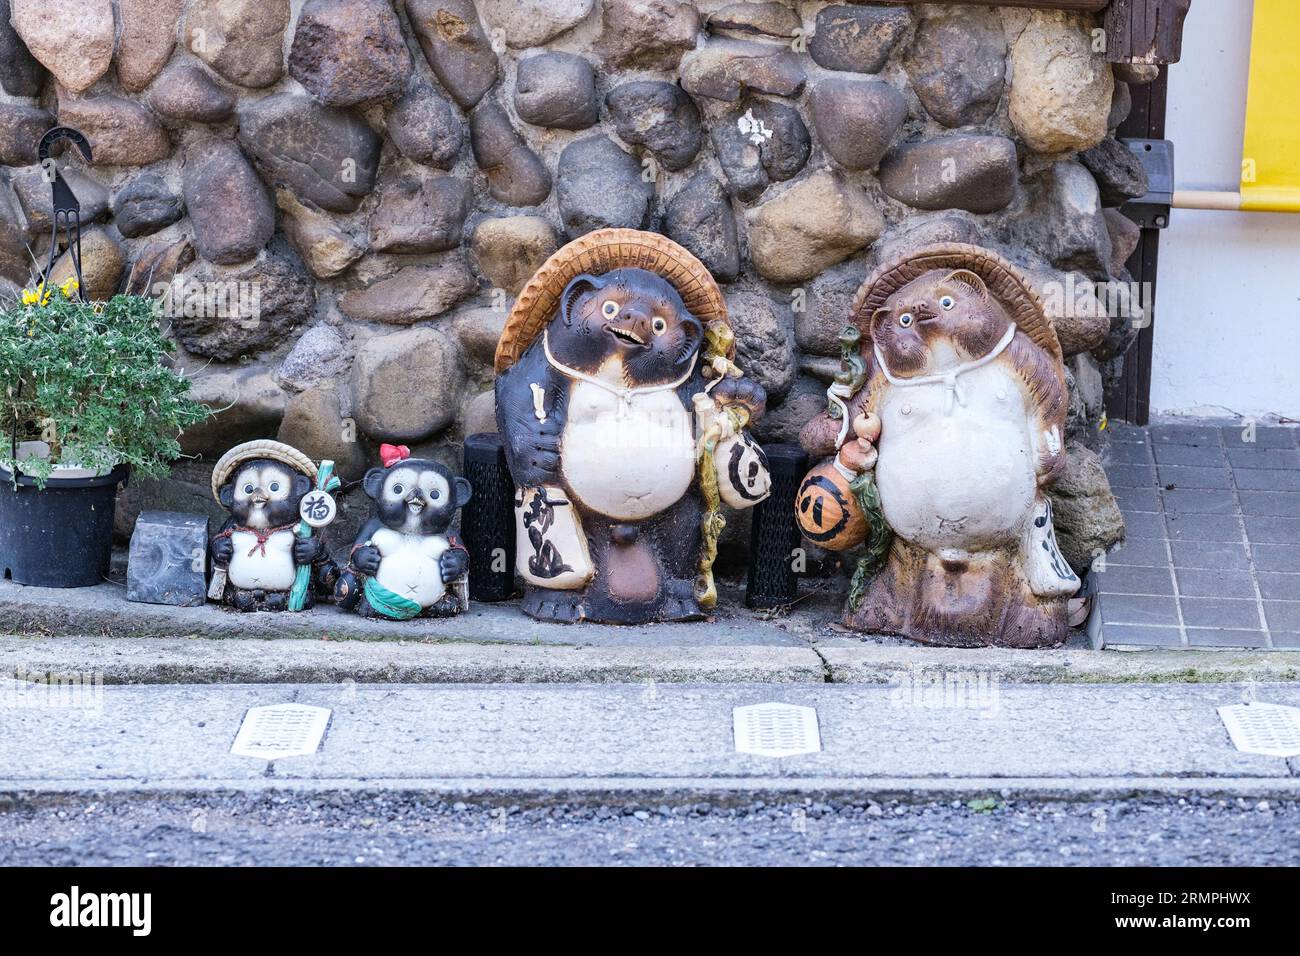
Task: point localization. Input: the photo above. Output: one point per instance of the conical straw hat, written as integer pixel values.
(1005, 283)
(597, 253)
(261, 448)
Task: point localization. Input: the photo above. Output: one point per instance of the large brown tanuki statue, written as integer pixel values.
(948, 445)
(623, 418)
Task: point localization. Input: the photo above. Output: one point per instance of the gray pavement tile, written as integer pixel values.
(1267, 479)
(1288, 640)
(1277, 503)
(1247, 458)
(1194, 527)
(1124, 432)
(1131, 476)
(1184, 434)
(1282, 615)
(1220, 612)
(1141, 634)
(1143, 552)
(1230, 555)
(1270, 529)
(1224, 637)
(1265, 436)
(1202, 455)
(1120, 579)
(1194, 476)
(1122, 453)
(1144, 524)
(1200, 501)
(1139, 609)
(1137, 499)
(1279, 587)
(1276, 557)
(1218, 583)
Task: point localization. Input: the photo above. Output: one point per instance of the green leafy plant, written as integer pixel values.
(90, 380)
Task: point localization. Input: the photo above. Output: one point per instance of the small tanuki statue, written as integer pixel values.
(405, 563)
(265, 556)
(945, 426)
(624, 423)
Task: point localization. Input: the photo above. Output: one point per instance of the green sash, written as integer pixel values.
(389, 603)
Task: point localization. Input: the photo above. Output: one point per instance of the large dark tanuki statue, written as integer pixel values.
(624, 419)
(946, 426)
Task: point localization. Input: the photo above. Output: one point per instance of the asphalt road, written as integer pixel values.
(367, 829)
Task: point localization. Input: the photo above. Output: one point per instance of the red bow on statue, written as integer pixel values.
(392, 454)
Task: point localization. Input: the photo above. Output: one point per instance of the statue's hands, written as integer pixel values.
(741, 391)
(222, 551)
(859, 454)
(453, 563)
(307, 550)
(366, 560)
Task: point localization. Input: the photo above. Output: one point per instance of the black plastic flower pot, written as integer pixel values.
(59, 536)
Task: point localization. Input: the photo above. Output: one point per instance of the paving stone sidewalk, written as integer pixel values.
(1068, 739)
(1212, 556)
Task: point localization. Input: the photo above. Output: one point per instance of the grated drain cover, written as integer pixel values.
(1269, 729)
(280, 730)
(776, 730)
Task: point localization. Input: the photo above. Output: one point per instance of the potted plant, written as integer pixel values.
(87, 397)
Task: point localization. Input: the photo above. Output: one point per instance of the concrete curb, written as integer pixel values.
(186, 660)
(496, 791)
(872, 664)
(287, 661)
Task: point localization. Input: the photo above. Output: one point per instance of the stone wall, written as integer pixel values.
(350, 192)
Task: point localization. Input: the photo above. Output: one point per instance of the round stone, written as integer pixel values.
(516, 175)
(856, 120)
(228, 204)
(957, 64)
(659, 116)
(857, 39)
(1067, 108)
(812, 225)
(145, 205)
(243, 40)
(602, 186)
(407, 385)
(953, 171)
(556, 90)
(425, 128)
(347, 52)
(74, 41)
(510, 249)
(186, 93)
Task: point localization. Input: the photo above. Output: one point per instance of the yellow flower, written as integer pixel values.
(30, 297)
(69, 287)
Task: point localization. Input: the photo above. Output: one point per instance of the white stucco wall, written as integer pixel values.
(1227, 332)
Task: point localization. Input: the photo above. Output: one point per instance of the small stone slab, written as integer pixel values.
(167, 559)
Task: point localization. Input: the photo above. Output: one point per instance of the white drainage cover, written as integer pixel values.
(776, 730)
(281, 730)
(1269, 729)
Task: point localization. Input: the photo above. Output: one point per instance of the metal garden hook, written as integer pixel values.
(65, 210)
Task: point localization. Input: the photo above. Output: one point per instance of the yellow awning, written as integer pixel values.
(1270, 161)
